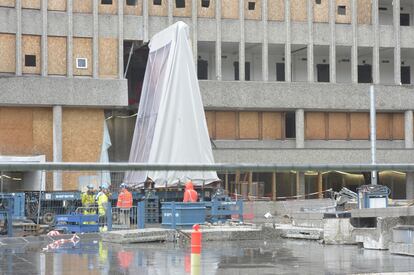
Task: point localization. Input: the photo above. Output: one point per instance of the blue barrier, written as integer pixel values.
(16, 203)
(141, 215)
(7, 213)
(77, 223)
(183, 214)
(221, 210)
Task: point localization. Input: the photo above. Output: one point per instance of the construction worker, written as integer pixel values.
(102, 200)
(88, 201)
(124, 203)
(190, 195)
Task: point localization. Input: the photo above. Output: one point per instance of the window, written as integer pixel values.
(205, 3)
(280, 71)
(106, 2)
(405, 75)
(131, 2)
(290, 125)
(365, 73)
(202, 68)
(251, 6)
(81, 63)
(157, 2)
(318, 2)
(404, 19)
(246, 71)
(342, 10)
(323, 72)
(30, 60)
(180, 4)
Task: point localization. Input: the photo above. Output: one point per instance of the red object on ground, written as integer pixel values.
(196, 240)
(190, 195)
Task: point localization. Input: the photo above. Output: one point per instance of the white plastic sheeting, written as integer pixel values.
(171, 127)
(106, 143)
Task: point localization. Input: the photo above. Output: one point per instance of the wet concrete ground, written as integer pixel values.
(247, 257)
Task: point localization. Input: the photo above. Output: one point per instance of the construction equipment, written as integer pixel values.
(373, 196)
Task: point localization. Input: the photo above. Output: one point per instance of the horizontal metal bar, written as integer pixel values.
(219, 167)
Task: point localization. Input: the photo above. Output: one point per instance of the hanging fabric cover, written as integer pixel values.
(171, 126)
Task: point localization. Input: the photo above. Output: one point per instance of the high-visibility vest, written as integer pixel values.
(102, 204)
(190, 195)
(124, 199)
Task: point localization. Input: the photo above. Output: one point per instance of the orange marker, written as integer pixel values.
(195, 250)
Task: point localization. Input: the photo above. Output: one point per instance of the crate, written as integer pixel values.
(77, 223)
(183, 214)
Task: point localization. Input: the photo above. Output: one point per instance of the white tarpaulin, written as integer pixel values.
(171, 127)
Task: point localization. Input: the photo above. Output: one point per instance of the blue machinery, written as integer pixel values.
(6, 214)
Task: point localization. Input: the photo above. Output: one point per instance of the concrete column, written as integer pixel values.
(265, 45)
(300, 128)
(194, 29)
(332, 46)
(145, 20)
(320, 185)
(288, 54)
(120, 39)
(218, 40)
(300, 184)
(274, 186)
(57, 146)
(95, 40)
(397, 42)
(242, 57)
(44, 39)
(18, 37)
(408, 118)
(250, 183)
(409, 185)
(310, 53)
(69, 41)
(375, 49)
(354, 48)
(170, 12)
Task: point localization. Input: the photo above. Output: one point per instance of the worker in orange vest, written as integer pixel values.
(190, 195)
(124, 203)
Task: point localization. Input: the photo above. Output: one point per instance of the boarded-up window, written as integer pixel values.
(56, 5)
(249, 125)
(290, 125)
(337, 126)
(226, 125)
(272, 125)
(56, 55)
(383, 126)
(230, 9)
(108, 57)
(211, 123)
(315, 125)
(84, 6)
(359, 126)
(82, 48)
(31, 50)
(7, 3)
(31, 4)
(398, 126)
(8, 53)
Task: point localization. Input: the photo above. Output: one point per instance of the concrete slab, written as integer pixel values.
(296, 232)
(402, 249)
(137, 235)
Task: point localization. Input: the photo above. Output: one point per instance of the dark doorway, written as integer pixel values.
(202, 69)
(246, 71)
(323, 72)
(364, 73)
(290, 125)
(405, 75)
(280, 71)
(404, 19)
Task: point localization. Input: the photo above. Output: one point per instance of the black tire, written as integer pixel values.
(48, 218)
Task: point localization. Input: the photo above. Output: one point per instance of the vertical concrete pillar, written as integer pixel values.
(320, 185)
(265, 45)
(354, 48)
(375, 49)
(274, 186)
(251, 183)
(332, 46)
(310, 53)
(409, 185)
(18, 37)
(120, 39)
(95, 39)
(242, 53)
(194, 7)
(226, 183)
(44, 38)
(408, 122)
(300, 128)
(218, 40)
(69, 41)
(288, 46)
(397, 42)
(170, 12)
(300, 185)
(57, 146)
(145, 20)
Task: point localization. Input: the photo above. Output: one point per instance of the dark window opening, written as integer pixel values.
(342, 10)
(30, 60)
(365, 73)
(290, 125)
(323, 72)
(106, 2)
(382, 8)
(205, 3)
(157, 2)
(131, 2)
(405, 75)
(318, 2)
(202, 68)
(246, 71)
(280, 71)
(404, 19)
(251, 6)
(180, 4)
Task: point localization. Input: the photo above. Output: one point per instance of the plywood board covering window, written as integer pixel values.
(7, 3)
(364, 12)
(253, 9)
(249, 125)
(110, 8)
(398, 126)
(8, 53)
(211, 123)
(31, 4)
(338, 126)
(298, 10)
(276, 10)
(82, 48)
(315, 125)
(108, 57)
(359, 126)
(230, 9)
(208, 12)
(321, 11)
(226, 125)
(82, 6)
(133, 9)
(271, 125)
(31, 47)
(182, 8)
(56, 5)
(343, 12)
(157, 7)
(384, 126)
(56, 49)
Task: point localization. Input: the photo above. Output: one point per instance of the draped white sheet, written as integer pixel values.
(171, 126)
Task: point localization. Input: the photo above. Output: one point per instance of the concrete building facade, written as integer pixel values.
(283, 81)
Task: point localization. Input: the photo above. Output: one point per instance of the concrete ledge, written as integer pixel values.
(402, 249)
(296, 232)
(137, 235)
(383, 212)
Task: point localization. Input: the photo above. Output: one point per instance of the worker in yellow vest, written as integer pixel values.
(103, 204)
(88, 202)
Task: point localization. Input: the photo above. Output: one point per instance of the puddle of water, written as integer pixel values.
(246, 257)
